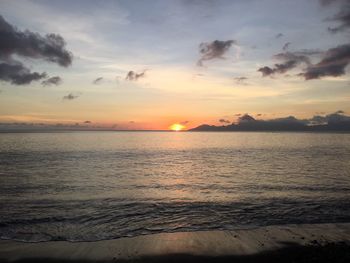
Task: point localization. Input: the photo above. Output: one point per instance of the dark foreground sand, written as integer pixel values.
(292, 243)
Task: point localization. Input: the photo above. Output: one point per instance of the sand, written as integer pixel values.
(203, 246)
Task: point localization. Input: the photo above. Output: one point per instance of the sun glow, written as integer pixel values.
(177, 127)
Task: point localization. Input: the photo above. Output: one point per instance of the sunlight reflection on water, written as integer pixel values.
(98, 185)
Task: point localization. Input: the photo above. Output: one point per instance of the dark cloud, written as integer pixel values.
(50, 47)
(133, 76)
(224, 121)
(16, 73)
(71, 96)
(337, 118)
(289, 60)
(245, 118)
(87, 122)
(331, 122)
(289, 119)
(334, 62)
(286, 46)
(266, 71)
(184, 122)
(52, 81)
(214, 50)
(343, 18)
(333, 118)
(98, 80)
(16, 43)
(279, 35)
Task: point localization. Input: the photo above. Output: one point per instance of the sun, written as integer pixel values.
(177, 127)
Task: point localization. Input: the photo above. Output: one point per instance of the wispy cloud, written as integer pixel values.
(214, 50)
(224, 121)
(98, 81)
(342, 17)
(71, 96)
(289, 60)
(279, 35)
(241, 80)
(133, 76)
(52, 81)
(286, 46)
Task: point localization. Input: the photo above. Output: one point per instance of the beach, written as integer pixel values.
(272, 243)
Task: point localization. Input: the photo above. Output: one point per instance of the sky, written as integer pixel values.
(149, 64)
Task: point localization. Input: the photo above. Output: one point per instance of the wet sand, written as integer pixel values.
(289, 243)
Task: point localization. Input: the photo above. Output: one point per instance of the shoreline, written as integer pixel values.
(202, 245)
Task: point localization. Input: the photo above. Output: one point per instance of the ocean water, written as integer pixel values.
(103, 185)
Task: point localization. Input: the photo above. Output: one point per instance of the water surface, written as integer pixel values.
(103, 185)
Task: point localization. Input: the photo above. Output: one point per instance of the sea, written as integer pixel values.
(88, 186)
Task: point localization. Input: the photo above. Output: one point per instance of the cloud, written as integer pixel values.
(71, 96)
(286, 46)
(327, 2)
(337, 118)
(240, 80)
(133, 76)
(279, 35)
(343, 17)
(214, 50)
(333, 118)
(308, 52)
(224, 121)
(290, 61)
(50, 47)
(87, 122)
(333, 64)
(245, 118)
(52, 81)
(266, 71)
(27, 44)
(97, 81)
(184, 122)
(331, 122)
(16, 73)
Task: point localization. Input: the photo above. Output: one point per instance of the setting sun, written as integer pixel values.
(177, 127)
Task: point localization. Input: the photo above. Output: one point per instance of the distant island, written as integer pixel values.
(335, 122)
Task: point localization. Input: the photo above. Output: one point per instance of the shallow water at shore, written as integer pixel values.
(84, 186)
